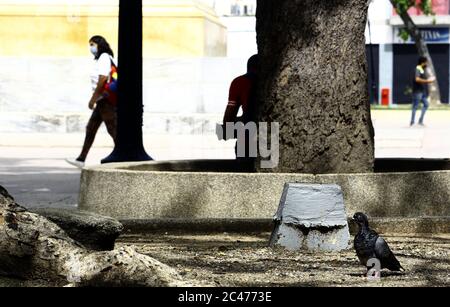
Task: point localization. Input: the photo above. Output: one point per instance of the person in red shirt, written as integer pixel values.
(241, 91)
(242, 95)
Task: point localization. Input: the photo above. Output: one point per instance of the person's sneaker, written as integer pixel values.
(75, 162)
(422, 124)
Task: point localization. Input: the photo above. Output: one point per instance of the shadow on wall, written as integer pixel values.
(414, 194)
(185, 202)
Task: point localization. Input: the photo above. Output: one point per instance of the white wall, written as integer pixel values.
(241, 36)
(380, 12)
(224, 7)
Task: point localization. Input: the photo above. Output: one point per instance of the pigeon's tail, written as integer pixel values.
(394, 265)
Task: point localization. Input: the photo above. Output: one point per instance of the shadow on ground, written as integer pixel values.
(245, 260)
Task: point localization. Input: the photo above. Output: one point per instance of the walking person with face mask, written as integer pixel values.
(420, 90)
(103, 104)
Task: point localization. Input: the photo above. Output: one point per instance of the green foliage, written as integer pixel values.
(425, 6)
(402, 6)
(403, 34)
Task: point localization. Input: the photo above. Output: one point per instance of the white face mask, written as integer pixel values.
(93, 49)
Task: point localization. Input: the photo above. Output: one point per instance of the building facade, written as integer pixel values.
(193, 49)
(57, 28)
(392, 60)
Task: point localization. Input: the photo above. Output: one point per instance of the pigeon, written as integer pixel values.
(369, 245)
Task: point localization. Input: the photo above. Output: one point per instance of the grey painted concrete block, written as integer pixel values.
(311, 216)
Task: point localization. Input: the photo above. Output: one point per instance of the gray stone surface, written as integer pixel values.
(311, 216)
(94, 231)
(118, 191)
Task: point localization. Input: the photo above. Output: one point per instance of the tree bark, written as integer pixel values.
(33, 248)
(313, 82)
(422, 50)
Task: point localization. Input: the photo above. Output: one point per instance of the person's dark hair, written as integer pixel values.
(252, 63)
(422, 59)
(103, 46)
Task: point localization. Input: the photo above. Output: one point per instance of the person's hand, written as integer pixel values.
(91, 104)
(432, 79)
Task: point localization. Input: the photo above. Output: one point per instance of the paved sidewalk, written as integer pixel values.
(33, 170)
(395, 138)
(39, 176)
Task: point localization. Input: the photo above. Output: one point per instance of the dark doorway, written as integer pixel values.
(373, 61)
(405, 61)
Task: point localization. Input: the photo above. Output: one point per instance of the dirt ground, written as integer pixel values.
(245, 260)
(233, 260)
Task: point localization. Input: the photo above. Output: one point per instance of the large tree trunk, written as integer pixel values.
(422, 50)
(313, 81)
(33, 248)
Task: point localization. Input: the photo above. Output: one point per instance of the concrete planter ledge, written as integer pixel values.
(168, 190)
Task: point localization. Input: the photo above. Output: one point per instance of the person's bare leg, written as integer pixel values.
(91, 130)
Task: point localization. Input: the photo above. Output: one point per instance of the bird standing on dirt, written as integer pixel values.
(369, 245)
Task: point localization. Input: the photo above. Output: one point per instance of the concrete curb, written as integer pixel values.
(161, 190)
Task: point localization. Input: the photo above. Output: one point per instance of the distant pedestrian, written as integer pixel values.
(420, 90)
(104, 70)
